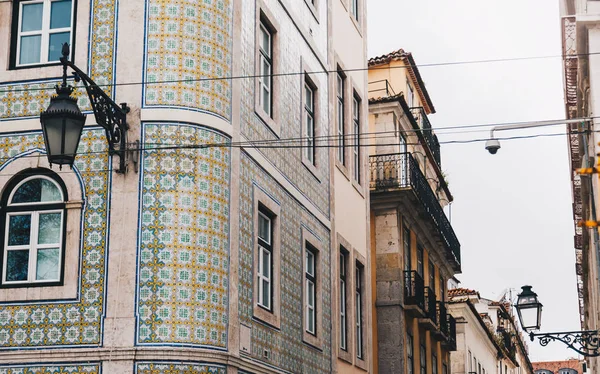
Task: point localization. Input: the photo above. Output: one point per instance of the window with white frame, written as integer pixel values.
(359, 311)
(354, 9)
(265, 260)
(343, 300)
(309, 122)
(410, 95)
(311, 290)
(41, 28)
(265, 79)
(340, 128)
(356, 131)
(34, 219)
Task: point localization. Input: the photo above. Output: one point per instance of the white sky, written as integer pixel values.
(512, 211)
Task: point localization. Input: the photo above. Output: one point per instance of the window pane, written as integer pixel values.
(32, 17)
(55, 46)
(310, 263)
(17, 263)
(266, 264)
(19, 228)
(264, 228)
(60, 14)
(311, 293)
(49, 232)
(30, 49)
(37, 190)
(265, 40)
(266, 294)
(47, 264)
(311, 321)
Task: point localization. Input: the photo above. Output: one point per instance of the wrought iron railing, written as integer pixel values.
(430, 305)
(400, 170)
(442, 317)
(430, 138)
(382, 88)
(414, 289)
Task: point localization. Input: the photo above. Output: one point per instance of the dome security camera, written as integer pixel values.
(492, 146)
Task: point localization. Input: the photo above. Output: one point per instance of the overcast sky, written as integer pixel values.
(511, 211)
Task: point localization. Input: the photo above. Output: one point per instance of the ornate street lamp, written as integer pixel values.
(63, 121)
(529, 309)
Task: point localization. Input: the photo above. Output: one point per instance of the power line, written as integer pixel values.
(204, 79)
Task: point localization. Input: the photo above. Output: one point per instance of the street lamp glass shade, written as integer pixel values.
(62, 124)
(529, 309)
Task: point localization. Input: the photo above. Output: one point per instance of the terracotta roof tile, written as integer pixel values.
(384, 59)
(457, 292)
(555, 366)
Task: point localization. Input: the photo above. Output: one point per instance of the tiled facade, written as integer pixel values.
(160, 265)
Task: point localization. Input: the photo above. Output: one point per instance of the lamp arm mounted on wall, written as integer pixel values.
(111, 116)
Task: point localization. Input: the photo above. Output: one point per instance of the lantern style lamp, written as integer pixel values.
(529, 309)
(62, 124)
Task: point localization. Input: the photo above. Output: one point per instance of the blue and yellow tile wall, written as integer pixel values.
(188, 51)
(183, 256)
(51, 369)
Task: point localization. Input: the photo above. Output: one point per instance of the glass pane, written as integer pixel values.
(266, 264)
(37, 190)
(264, 228)
(55, 46)
(47, 264)
(19, 228)
(311, 293)
(17, 263)
(266, 292)
(310, 263)
(265, 40)
(311, 320)
(49, 232)
(60, 14)
(31, 18)
(30, 49)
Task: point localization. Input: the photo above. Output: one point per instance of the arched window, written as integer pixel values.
(543, 371)
(33, 229)
(567, 371)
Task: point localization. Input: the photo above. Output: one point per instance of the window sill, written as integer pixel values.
(313, 341)
(358, 188)
(312, 9)
(361, 364)
(345, 355)
(267, 120)
(312, 168)
(343, 169)
(356, 24)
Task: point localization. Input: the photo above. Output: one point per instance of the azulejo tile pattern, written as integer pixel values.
(177, 368)
(287, 349)
(189, 42)
(290, 51)
(77, 323)
(184, 238)
(51, 369)
(19, 100)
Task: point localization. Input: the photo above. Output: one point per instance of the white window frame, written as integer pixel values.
(44, 33)
(265, 79)
(309, 122)
(359, 311)
(354, 9)
(33, 245)
(410, 97)
(356, 131)
(264, 276)
(343, 302)
(340, 107)
(311, 289)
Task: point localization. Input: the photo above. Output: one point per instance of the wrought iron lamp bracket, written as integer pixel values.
(586, 343)
(112, 117)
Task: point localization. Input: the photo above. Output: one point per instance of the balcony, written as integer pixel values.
(393, 175)
(442, 318)
(450, 342)
(430, 320)
(414, 293)
(430, 138)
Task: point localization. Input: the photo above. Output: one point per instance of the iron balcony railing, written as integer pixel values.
(430, 138)
(400, 170)
(451, 341)
(414, 289)
(430, 305)
(442, 317)
(382, 88)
